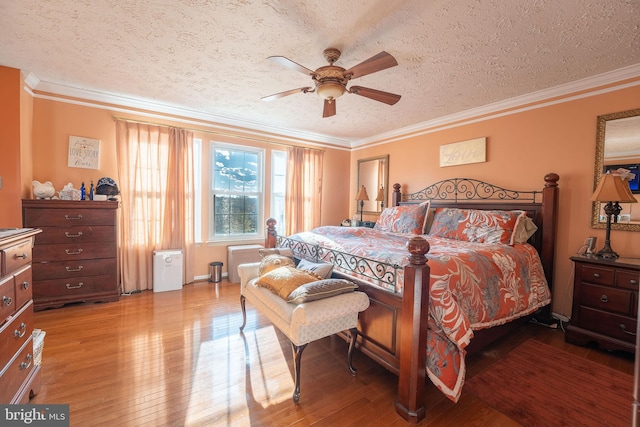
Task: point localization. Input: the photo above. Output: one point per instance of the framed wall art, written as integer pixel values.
(84, 153)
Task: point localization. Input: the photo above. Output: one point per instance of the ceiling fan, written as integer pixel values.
(331, 80)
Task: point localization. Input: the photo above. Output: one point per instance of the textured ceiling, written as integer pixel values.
(210, 57)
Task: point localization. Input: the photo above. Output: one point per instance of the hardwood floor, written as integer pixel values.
(178, 359)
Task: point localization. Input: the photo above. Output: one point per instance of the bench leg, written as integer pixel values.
(244, 311)
(297, 359)
(352, 346)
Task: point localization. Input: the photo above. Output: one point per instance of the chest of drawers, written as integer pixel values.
(605, 301)
(19, 375)
(75, 256)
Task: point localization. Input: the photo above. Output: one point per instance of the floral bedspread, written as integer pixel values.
(473, 286)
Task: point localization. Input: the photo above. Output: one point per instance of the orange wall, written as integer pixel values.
(521, 149)
(55, 121)
(10, 211)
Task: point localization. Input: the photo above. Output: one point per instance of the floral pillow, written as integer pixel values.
(474, 225)
(408, 219)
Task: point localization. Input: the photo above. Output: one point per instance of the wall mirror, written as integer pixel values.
(373, 173)
(618, 145)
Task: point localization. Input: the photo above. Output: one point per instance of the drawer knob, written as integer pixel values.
(23, 256)
(70, 252)
(604, 299)
(72, 217)
(73, 269)
(596, 275)
(624, 329)
(633, 281)
(22, 329)
(78, 286)
(7, 301)
(25, 285)
(26, 364)
(71, 236)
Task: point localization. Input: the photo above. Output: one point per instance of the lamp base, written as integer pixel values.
(607, 253)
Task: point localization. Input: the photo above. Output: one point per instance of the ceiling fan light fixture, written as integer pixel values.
(330, 90)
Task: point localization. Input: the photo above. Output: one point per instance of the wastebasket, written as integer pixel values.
(215, 271)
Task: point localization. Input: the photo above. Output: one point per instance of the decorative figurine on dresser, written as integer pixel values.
(605, 302)
(75, 256)
(19, 372)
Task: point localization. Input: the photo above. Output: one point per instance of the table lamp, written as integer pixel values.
(362, 196)
(380, 198)
(612, 190)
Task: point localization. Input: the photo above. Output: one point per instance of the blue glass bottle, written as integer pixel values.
(83, 192)
(91, 191)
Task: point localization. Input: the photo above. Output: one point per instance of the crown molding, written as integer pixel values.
(55, 91)
(514, 105)
(592, 85)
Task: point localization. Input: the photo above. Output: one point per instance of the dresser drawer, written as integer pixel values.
(73, 286)
(597, 274)
(17, 256)
(7, 297)
(76, 234)
(73, 251)
(606, 298)
(609, 324)
(23, 286)
(15, 333)
(17, 372)
(75, 268)
(68, 217)
(628, 279)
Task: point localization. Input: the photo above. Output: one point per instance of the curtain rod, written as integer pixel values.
(230, 135)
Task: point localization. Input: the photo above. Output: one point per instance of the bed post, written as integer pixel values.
(270, 236)
(396, 196)
(413, 333)
(549, 229)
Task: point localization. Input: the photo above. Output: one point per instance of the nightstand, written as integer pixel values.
(605, 302)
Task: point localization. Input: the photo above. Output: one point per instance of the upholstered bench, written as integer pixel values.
(303, 322)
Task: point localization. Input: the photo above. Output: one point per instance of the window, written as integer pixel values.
(278, 188)
(236, 192)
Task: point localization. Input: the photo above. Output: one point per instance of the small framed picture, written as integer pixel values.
(84, 153)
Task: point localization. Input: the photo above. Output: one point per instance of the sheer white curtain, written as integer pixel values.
(155, 177)
(304, 189)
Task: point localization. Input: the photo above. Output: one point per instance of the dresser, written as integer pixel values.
(19, 375)
(605, 302)
(75, 256)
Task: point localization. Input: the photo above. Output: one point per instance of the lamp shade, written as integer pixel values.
(380, 197)
(612, 188)
(362, 194)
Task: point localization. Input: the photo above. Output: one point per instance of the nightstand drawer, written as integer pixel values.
(611, 325)
(606, 298)
(628, 279)
(599, 275)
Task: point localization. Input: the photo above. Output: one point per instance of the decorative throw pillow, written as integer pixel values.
(320, 289)
(408, 219)
(474, 225)
(525, 228)
(323, 270)
(271, 262)
(275, 251)
(283, 280)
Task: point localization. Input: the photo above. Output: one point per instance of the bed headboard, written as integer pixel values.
(467, 193)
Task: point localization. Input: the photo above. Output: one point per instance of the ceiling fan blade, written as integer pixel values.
(378, 95)
(329, 108)
(286, 62)
(288, 92)
(380, 62)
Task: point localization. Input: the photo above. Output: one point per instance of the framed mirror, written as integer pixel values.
(618, 146)
(373, 173)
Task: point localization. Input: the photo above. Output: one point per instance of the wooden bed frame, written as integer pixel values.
(393, 330)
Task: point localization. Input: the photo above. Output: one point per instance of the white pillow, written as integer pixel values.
(323, 269)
